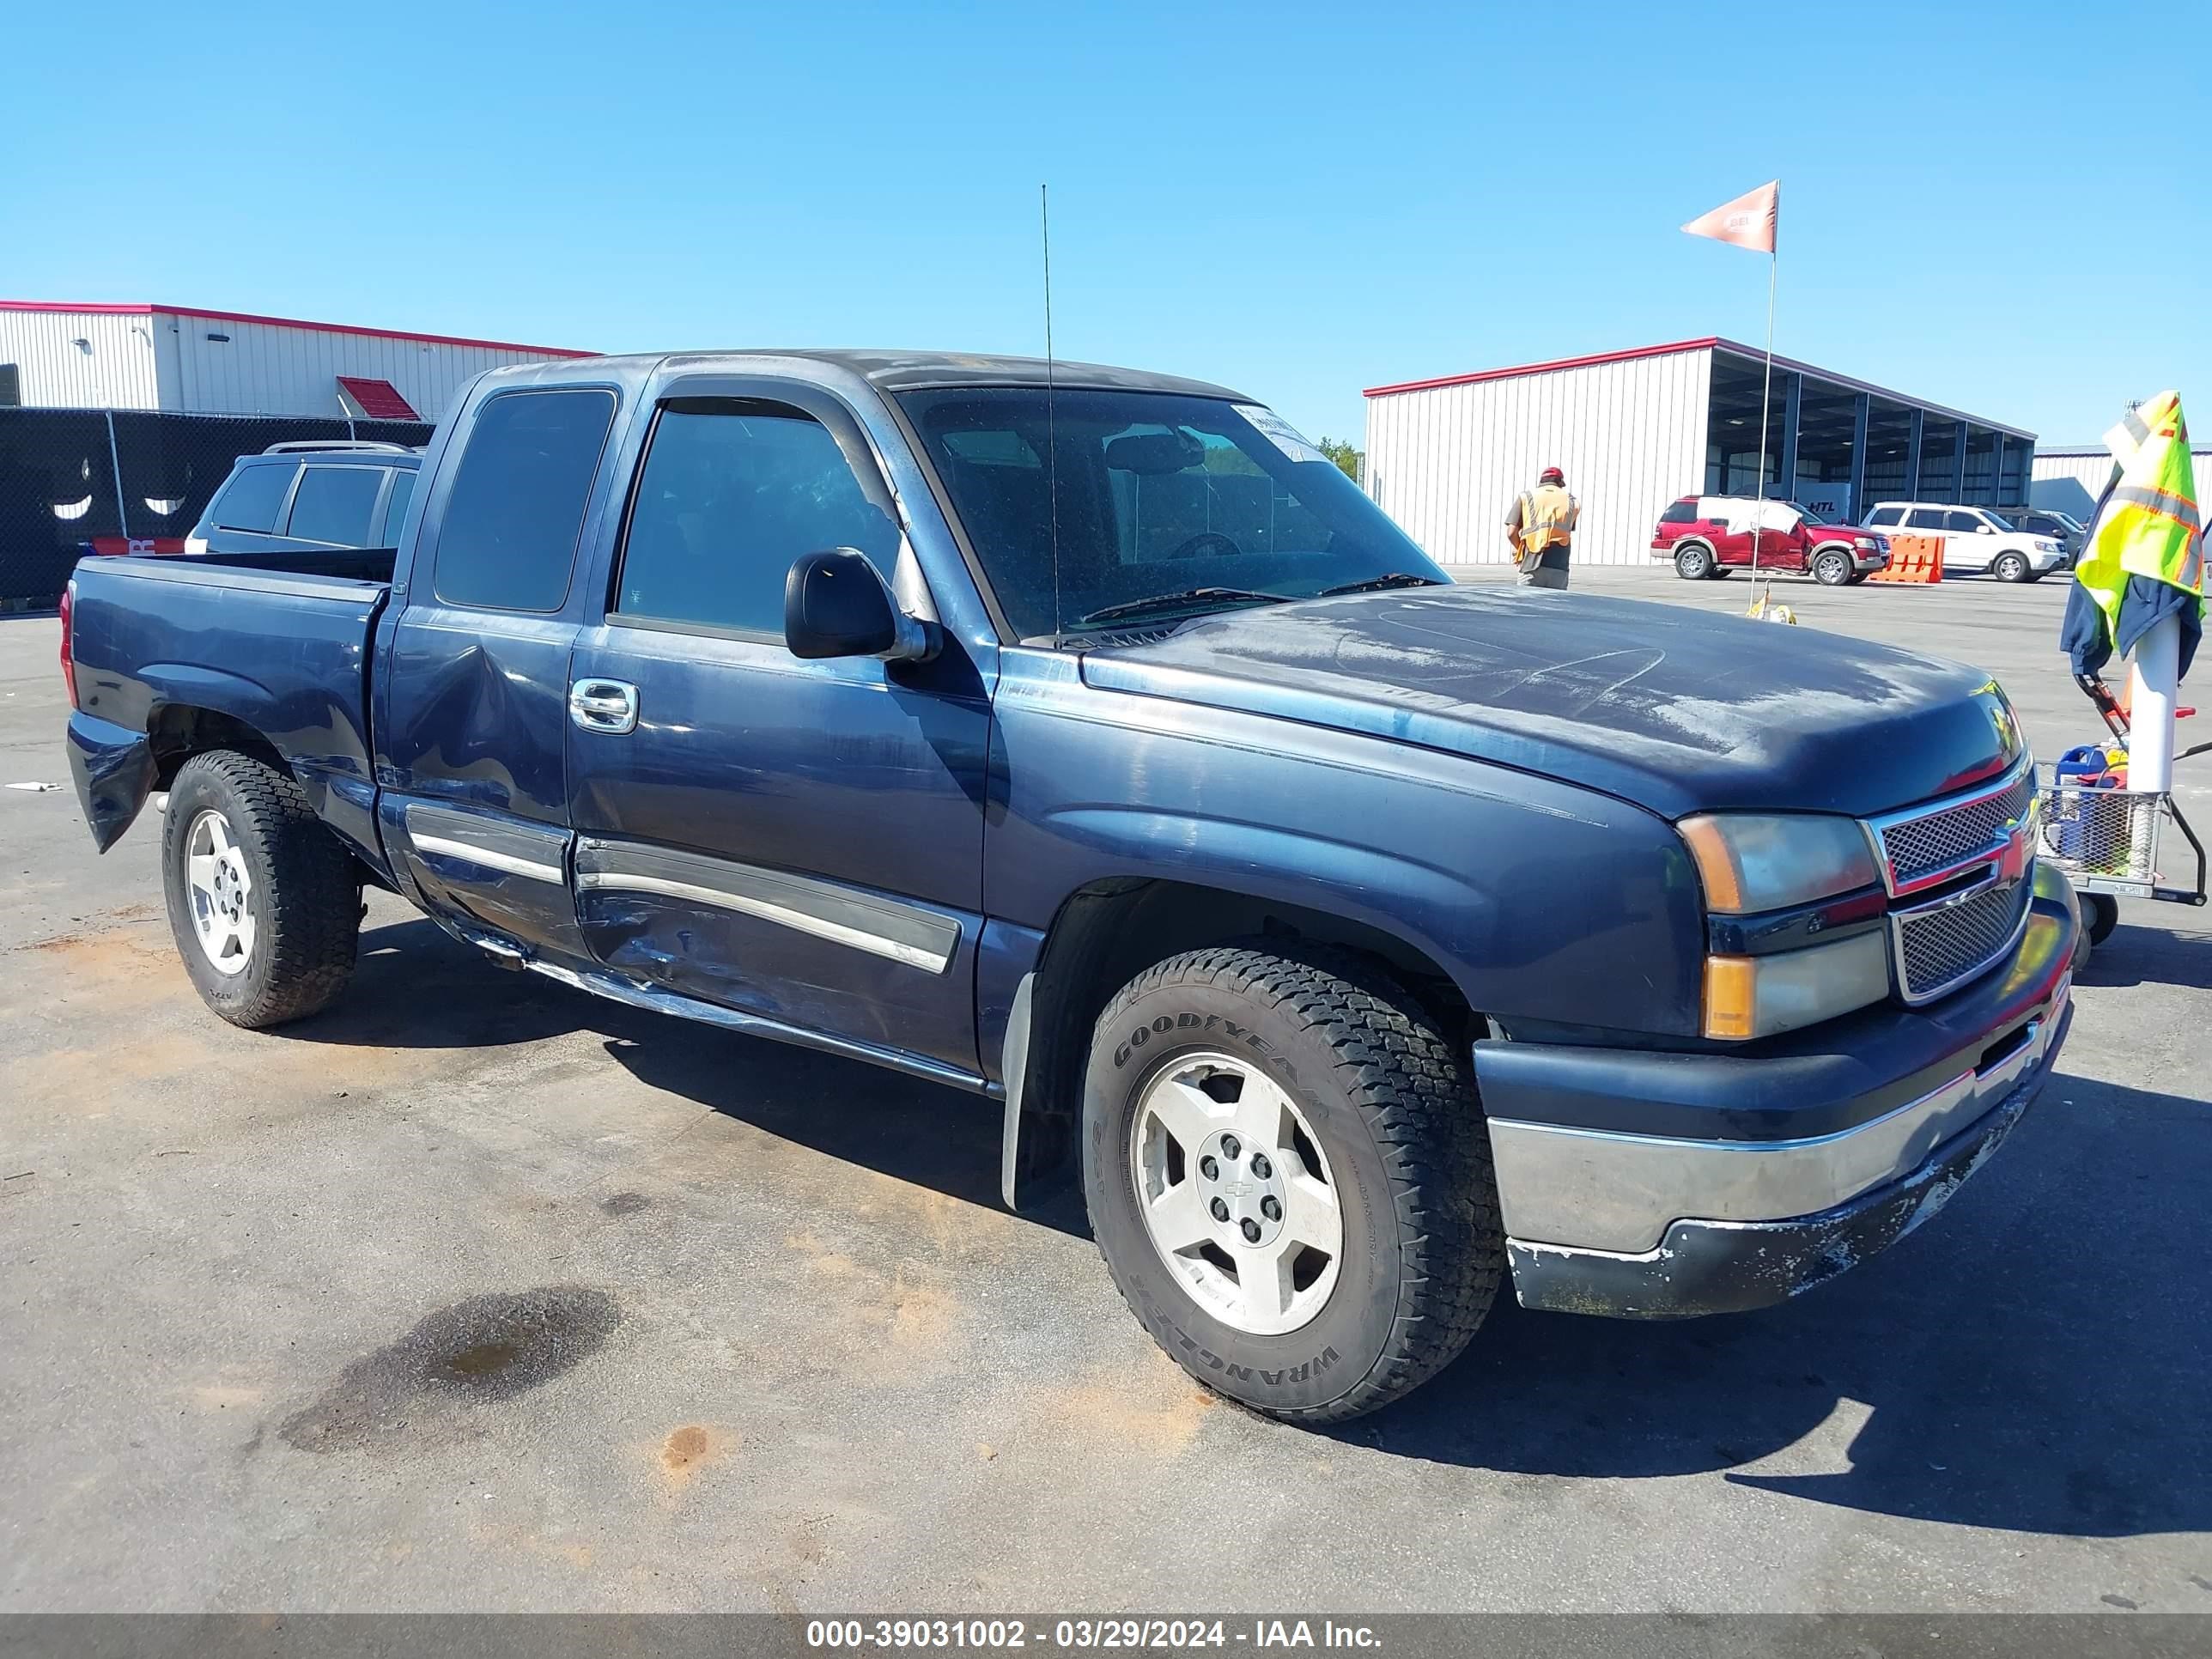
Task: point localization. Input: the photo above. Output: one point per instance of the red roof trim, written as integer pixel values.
(287, 322)
(1667, 350)
(96, 307)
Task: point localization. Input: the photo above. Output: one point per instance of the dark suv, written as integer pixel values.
(304, 497)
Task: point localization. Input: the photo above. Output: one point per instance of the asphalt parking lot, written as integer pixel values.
(253, 1288)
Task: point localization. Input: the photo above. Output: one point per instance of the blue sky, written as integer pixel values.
(1298, 200)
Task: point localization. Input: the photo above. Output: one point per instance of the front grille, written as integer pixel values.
(1939, 947)
(1916, 847)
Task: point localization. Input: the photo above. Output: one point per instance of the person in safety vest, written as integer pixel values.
(2145, 556)
(1540, 529)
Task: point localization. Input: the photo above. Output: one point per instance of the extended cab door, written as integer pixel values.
(798, 840)
(473, 678)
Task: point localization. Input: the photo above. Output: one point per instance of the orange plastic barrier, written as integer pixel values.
(1912, 559)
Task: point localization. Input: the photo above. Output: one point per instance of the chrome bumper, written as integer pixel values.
(1592, 1189)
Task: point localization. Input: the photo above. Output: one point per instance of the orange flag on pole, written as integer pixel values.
(1748, 222)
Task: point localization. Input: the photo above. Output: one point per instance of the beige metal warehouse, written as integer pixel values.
(1635, 429)
(2069, 477)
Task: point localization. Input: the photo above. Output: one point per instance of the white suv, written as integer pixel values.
(1974, 538)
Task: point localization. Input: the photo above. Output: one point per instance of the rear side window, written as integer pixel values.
(395, 508)
(511, 524)
(1968, 522)
(1680, 513)
(254, 498)
(333, 504)
(731, 494)
(1887, 515)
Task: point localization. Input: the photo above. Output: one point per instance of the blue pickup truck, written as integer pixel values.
(1082, 739)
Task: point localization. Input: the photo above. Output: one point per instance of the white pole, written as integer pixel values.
(2150, 708)
(1765, 396)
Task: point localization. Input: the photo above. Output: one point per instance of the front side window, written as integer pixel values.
(1925, 518)
(732, 494)
(510, 524)
(254, 498)
(333, 504)
(1119, 498)
(1965, 523)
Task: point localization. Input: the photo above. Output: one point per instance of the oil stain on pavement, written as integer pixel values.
(489, 1348)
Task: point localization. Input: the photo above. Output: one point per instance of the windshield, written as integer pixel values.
(1811, 515)
(1150, 496)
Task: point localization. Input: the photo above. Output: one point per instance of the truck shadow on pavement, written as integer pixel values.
(2034, 1358)
(415, 987)
(2151, 956)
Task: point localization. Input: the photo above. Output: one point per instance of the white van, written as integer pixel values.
(1974, 538)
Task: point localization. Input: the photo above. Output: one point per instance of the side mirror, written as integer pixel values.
(835, 604)
(1985, 530)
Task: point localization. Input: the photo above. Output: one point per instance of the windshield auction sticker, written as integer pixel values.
(1280, 432)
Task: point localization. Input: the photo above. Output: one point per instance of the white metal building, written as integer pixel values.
(2071, 477)
(60, 356)
(1633, 430)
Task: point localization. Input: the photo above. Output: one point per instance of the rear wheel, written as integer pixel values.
(1694, 562)
(1286, 1174)
(2008, 567)
(1831, 568)
(2100, 914)
(261, 898)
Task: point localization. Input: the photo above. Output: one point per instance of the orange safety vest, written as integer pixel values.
(1547, 519)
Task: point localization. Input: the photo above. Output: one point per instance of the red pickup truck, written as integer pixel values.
(1708, 535)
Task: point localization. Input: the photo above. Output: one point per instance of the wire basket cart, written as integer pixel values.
(2112, 841)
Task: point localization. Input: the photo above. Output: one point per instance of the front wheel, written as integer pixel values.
(262, 898)
(1286, 1169)
(2100, 914)
(1831, 568)
(2009, 568)
(1693, 563)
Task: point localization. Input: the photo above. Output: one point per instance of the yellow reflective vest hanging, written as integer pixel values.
(2149, 523)
(1548, 518)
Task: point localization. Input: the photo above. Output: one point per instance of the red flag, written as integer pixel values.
(1748, 222)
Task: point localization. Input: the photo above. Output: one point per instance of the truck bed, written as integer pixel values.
(282, 651)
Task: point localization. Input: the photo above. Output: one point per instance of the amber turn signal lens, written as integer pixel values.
(1731, 997)
(1717, 867)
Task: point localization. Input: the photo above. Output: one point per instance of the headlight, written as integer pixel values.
(1767, 867)
(1867, 545)
(1751, 862)
(1757, 996)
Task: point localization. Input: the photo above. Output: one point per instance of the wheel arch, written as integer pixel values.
(1107, 932)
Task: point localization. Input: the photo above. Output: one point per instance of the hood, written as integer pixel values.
(1675, 709)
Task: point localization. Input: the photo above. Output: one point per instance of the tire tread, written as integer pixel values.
(1419, 1103)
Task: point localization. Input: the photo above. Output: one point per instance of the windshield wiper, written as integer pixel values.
(1376, 584)
(1190, 596)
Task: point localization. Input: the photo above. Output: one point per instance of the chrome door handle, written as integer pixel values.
(609, 706)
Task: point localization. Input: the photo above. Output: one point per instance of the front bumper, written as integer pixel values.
(1654, 1185)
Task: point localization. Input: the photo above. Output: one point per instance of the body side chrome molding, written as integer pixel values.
(515, 849)
(909, 934)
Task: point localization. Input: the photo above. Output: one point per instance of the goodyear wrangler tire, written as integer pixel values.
(1287, 1176)
(262, 898)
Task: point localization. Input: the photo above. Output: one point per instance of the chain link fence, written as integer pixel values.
(79, 481)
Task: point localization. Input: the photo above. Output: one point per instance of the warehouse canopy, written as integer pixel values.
(373, 400)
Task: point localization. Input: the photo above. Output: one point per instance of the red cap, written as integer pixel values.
(1551, 475)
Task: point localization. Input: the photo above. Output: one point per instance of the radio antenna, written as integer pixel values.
(1051, 435)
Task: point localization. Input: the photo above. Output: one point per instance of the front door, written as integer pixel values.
(1968, 540)
(800, 840)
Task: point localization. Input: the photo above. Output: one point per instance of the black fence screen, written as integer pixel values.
(61, 496)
